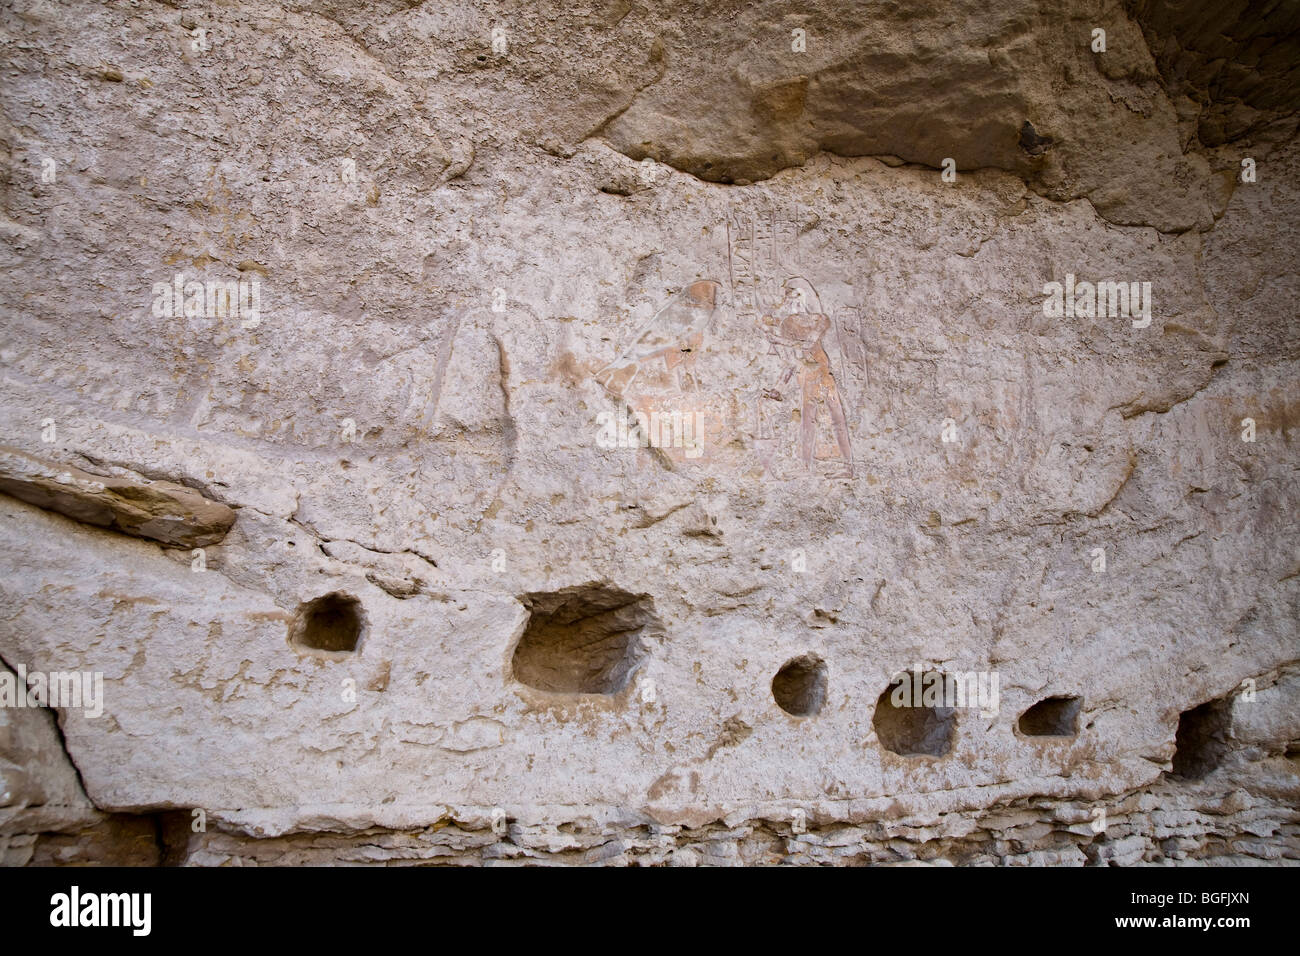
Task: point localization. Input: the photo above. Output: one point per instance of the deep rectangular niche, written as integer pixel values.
(1202, 739)
(586, 639)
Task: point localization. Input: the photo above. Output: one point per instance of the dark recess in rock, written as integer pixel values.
(1031, 142)
(799, 687)
(1202, 739)
(1052, 717)
(911, 731)
(586, 639)
(332, 623)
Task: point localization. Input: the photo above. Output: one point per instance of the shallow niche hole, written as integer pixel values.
(905, 725)
(799, 687)
(586, 639)
(331, 623)
(1052, 717)
(1202, 739)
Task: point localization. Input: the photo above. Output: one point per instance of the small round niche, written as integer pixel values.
(906, 726)
(799, 687)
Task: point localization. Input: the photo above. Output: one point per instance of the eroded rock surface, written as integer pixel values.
(616, 403)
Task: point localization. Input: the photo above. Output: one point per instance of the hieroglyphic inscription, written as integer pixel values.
(770, 294)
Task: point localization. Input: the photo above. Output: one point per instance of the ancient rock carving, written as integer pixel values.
(675, 333)
(796, 335)
(764, 263)
(795, 329)
(454, 602)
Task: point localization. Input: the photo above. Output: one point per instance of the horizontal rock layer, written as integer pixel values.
(159, 510)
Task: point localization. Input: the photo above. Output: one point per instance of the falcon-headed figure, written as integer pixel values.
(675, 333)
(796, 336)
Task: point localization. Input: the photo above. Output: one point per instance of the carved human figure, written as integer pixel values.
(796, 335)
(675, 334)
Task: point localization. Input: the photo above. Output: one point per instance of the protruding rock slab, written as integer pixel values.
(158, 510)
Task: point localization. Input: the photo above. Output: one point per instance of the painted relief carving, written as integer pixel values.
(780, 392)
(674, 334)
(795, 334)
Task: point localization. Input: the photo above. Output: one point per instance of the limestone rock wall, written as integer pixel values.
(463, 433)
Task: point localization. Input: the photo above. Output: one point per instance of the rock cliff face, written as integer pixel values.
(674, 433)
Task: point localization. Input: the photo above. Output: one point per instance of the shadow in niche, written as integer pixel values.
(1052, 717)
(911, 729)
(799, 687)
(1202, 739)
(331, 624)
(586, 639)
